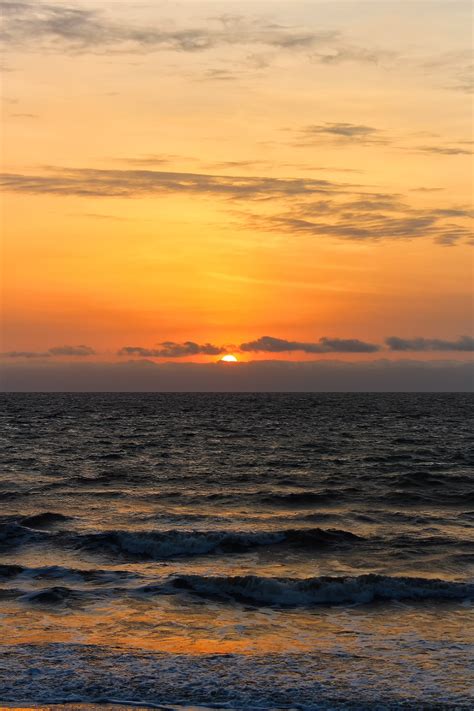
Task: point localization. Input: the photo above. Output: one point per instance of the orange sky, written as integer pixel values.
(219, 172)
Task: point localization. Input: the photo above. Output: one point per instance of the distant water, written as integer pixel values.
(237, 551)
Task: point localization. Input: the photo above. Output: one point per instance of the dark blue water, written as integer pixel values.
(237, 551)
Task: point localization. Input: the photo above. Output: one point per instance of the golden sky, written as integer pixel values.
(204, 174)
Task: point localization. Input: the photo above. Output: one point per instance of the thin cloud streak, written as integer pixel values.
(90, 182)
(444, 150)
(342, 132)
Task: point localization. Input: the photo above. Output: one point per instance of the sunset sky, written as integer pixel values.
(279, 180)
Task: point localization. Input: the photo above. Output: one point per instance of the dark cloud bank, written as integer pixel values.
(256, 376)
(269, 344)
(464, 343)
(170, 349)
(264, 344)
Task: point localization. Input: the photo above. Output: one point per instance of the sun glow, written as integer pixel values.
(228, 359)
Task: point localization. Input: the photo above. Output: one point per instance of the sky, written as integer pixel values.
(280, 180)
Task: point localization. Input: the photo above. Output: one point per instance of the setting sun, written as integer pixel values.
(229, 359)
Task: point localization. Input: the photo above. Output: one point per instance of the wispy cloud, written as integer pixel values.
(341, 132)
(362, 226)
(463, 80)
(455, 70)
(27, 116)
(321, 208)
(350, 53)
(37, 25)
(88, 182)
(444, 150)
(345, 134)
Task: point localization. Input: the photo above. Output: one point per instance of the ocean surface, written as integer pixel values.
(237, 551)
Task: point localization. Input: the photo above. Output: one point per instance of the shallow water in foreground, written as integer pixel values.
(237, 551)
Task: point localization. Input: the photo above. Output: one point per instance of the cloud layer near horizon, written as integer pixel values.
(73, 351)
(264, 344)
(256, 376)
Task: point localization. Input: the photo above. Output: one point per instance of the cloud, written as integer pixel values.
(80, 351)
(269, 344)
(153, 159)
(366, 227)
(349, 133)
(463, 80)
(320, 208)
(256, 376)
(343, 133)
(29, 116)
(238, 164)
(444, 150)
(78, 29)
(100, 216)
(24, 354)
(89, 182)
(170, 349)
(348, 53)
(464, 343)
(72, 351)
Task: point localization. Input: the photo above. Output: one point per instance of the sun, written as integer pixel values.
(228, 359)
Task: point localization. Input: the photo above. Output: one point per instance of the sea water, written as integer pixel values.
(237, 551)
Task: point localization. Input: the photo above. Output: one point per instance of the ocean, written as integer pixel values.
(237, 551)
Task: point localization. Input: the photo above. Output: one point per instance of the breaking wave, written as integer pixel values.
(325, 590)
(158, 545)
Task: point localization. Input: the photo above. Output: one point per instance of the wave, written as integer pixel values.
(162, 544)
(301, 498)
(45, 519)
(63, 573)
(13, 534)
(158, 545)
(264, 592)
(54, 596)
(8, 571)
(441, 498)
(325, 590)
